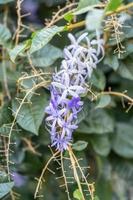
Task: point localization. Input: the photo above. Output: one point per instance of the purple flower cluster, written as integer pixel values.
(67, 87)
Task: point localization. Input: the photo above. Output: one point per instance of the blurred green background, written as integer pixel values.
(106, 126)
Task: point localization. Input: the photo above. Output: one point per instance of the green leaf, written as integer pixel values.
(113, 5)
(120, 187)
(79, 145)
(84, 112)
(17, 50)
(96, 16)
(77, 194)
(69, 16)
(84, 6)
(98, 121)
(103, 101)
(126, 70)
(42, 37)
(112, 61)
(128, 28)
(104, 189)
(5, 34)
(128, 50)
(98, 79)
(5, 188)
(12, 76)
(123, 140)
(5, 1)
(46, 56)
(67, 164)
(123, 167)
(6, 114)
(5, 129)
(85, 3)
(96, 198)
(31, 114)
(101, 144)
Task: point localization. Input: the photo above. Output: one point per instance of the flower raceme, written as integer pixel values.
(68, 85)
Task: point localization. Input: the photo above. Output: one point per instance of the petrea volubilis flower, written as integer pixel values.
(68, 85)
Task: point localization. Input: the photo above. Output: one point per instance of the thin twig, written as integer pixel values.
(64, 177)
(19, 21)
(42, 174)
(119, 94)
(30, 146)
(58, 15)
(90, 187)
(44, 83)
(82, 23)
(75, 172)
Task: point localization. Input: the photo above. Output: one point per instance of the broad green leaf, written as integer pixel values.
(46, 56)
(96, 17)
(126, 70)
(98, 121)
(101, 144)
(6, 114)
(5, 188)
(67, 164)
(69, 16)
(79, 145)
(123, 140)
(84, 6)
(77, 194)
(103, 184)
(28, 83)
(119, 187)
(5, 1)
(12, 76)
(31, 114)
(98, 79)
(96, 198)
(84, 112)
(111, 60)
(103, 101)
(5, 34)
(5, 129)
(113, 5)
(128, 50)
(16, 51)
(3, 176)
(123, 167)
(42, 37)
(104, 189)
(128, 28)
(85, 3)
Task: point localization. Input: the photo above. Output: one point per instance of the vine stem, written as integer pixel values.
(117, 94)
(64, 176)
(89, 186)
(42, 174)
(13, 123)
(57, 15)
(82, 23)
(75, 172)
(19, 21)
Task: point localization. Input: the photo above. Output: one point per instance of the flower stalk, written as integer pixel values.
(68, 86)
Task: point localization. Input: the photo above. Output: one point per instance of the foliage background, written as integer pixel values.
(104, 124)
